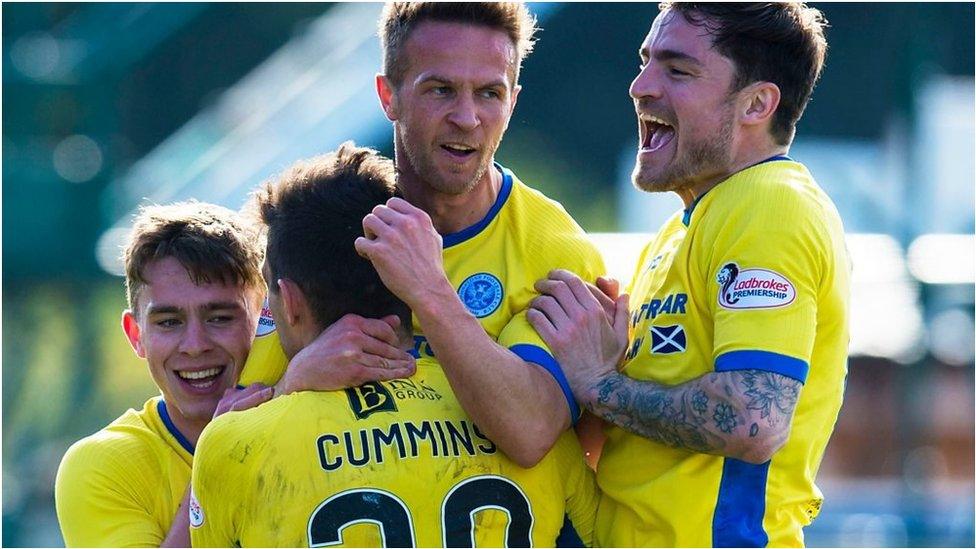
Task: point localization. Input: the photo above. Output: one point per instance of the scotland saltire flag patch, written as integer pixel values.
(668, 339)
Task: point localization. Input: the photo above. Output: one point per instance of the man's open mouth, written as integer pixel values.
(201, 379)
(656, 133)
(459, 150)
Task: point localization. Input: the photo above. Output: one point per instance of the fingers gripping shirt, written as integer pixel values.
(122, 486)
(755, 278)
(494, 265)
(395, 464)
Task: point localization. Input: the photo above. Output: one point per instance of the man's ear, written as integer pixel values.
(387, 96)
(759, 103)
(515, 93)
(293, 301)
(133, 333)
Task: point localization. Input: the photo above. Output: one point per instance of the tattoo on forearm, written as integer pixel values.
(724, 417)
(700, 414)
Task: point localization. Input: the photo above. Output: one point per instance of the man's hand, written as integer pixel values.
(348, 353)
(585, 329)
(406, 250)
(235, 399)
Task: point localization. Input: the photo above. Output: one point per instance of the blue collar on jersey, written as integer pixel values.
(686, 219)
(472, 231)
(171, 427)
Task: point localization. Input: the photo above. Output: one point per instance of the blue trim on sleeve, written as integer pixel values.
(164, 415)
(741, 506)
(763, 360)
(568, 536)
(538, 355)
(472, 231)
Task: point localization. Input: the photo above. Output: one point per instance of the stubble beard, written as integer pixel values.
(426, 169)
(701, 160)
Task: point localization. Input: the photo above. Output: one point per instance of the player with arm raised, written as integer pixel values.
(395, 463)
(468, 240)
(734, 345)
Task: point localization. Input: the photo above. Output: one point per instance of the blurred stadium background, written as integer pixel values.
(107, 106)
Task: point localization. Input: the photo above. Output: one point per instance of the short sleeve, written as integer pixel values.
(521, 338)
(764, 282)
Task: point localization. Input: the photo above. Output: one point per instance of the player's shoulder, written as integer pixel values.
(124, 451)
(769, 198)
(246, 424)
(552, 238)
(537, 209)
(130, 435)
(778, 186)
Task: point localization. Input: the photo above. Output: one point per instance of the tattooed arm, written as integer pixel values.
(741, 414)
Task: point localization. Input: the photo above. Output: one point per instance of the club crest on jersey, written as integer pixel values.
(196, 512)
(753, 288)
(481, 293)
(266, 323)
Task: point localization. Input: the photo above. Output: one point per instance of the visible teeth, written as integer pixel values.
(199, 375)
(461, 148)
(657, 120)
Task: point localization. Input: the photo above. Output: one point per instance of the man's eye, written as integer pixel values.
(441, 90)
(490, 94)
(678, 72)
(221, 319)
(168, 323)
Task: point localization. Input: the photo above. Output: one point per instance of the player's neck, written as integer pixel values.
(746, 155)
(189, 428)
(451, 213)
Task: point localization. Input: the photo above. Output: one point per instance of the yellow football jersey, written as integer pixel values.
(494, 265)
(394, 464)
(122, 486)
(753, 276)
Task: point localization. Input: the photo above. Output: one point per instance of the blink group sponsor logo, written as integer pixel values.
(753, 288)
(369, 398)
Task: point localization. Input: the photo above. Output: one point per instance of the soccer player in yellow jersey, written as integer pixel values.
(733, 350)
(396, 463)
(194, 285)
(468, 240)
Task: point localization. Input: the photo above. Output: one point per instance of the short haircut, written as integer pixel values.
(778, 42)
(214, 244)
(399, 19)
(313, 213)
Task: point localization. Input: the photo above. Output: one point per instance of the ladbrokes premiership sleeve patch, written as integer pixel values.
(753, 288)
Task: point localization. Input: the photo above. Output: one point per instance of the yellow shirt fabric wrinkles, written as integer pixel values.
(394, 464)
(755, 277)
(122, 486)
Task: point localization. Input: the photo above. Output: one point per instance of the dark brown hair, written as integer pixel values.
(212, 243)
(399, 19)
(313, 213)
(778, 42)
